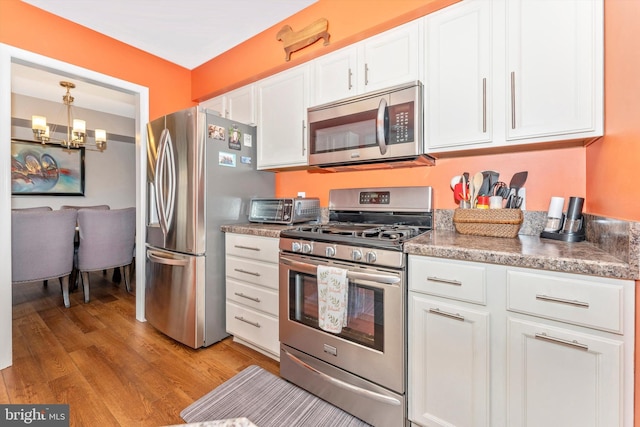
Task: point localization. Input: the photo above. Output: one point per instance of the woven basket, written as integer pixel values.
(488, 222)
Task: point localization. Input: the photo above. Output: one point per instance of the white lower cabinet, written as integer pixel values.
(448, 345)
(499, 346)
(559, 377)
(251, 271)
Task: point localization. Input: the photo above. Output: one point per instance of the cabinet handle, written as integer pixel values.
(562, 301)
(366, 74)
(350, 75)
(239, 270)
(304, 127)
(574, 343)
(241, 295)
(250, 248)
(439, 312)
(447, 281)
(484, 105)
(242, 319)
(513, 100)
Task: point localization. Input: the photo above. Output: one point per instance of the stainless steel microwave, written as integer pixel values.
(376, 130)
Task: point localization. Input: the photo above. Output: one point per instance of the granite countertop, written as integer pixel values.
(526, 250)
(255, 229)
(523, 251)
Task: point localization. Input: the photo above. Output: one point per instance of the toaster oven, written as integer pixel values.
(284, 210)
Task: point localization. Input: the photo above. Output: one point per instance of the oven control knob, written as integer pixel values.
(330, 251)
(296, 247)
(356, 255)
(371, 257)
(306, 248)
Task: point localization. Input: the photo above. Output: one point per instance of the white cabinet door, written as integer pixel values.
(217, 105)
(238, 105)
(458, 79)
(390, 58)
(387, 59)
(334, 76)
(558, 377)
(554, 67)
(448, 364)
(241, 105)
(282, 114)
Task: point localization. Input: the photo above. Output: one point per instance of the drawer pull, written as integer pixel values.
(562, 301)
(242, 319)
(241, 295)
(250, 248)
(573, 343)
(439, 312)
(447, 281)
(239, 270)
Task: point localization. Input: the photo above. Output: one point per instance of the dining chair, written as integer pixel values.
(33, 209)
(107, 239)
(42, 247)
(99, 207)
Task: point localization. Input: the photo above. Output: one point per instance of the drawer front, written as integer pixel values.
(464, 281)
(591, 302)
(257, 328)
(253, 247)
(256, 272)
(256, 297)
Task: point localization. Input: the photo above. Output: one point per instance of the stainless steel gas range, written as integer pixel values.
(361, 366)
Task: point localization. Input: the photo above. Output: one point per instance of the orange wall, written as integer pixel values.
(31, 29)
(612, 162)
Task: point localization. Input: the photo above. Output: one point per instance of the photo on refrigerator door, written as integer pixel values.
(216, 132)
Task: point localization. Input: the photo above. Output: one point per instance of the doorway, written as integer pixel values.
(8, 56)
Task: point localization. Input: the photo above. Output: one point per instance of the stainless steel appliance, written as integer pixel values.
(201, 174)
(378, 129)
(361, 369)
(284, 210)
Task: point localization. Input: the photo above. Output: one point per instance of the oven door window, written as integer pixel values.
(365, 319)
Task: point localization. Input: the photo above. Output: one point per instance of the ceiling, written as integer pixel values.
(185, 32)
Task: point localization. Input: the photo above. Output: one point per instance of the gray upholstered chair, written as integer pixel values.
(107, 239)
(99, 207)
(42, 246)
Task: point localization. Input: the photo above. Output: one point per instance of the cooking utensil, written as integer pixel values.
(477, 180)
(500, 189)
(489, 179)
(456, 179)
(517, 181)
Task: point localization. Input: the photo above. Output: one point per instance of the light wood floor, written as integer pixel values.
(111, 369)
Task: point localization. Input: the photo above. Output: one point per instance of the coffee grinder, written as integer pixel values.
(569, 227)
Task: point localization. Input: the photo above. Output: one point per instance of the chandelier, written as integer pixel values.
(76, 129)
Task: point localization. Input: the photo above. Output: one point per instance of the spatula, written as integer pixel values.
(517, 181)
(477, 180)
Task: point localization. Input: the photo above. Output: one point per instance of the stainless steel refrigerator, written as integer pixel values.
(201, 175)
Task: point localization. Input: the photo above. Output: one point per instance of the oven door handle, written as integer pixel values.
(311, 269)
(344, 385)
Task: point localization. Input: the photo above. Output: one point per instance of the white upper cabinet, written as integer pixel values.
(505, 73)
(555, 67)
(385, 60)
(282, 116)
(238, 105)
(458, 81)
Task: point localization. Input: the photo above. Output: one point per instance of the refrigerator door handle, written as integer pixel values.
(159, 259)
(165, 173)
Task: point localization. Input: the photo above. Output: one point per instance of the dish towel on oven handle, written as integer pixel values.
(333, 291)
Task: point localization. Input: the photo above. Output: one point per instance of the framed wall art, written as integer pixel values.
(46, 170)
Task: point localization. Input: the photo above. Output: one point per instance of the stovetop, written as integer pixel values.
(386, 236)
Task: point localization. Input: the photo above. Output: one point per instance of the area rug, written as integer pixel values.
(267, 401)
